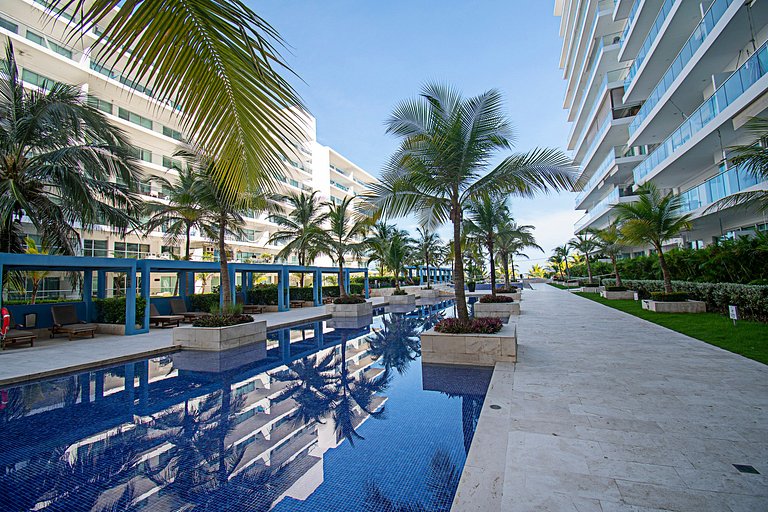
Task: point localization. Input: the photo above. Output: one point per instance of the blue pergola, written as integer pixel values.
(185, 271)
(437, 275)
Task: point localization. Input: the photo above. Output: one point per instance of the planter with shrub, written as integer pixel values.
(617, 293)
(110, 314)
(496, 306)
(221, 331)
(351, 306)
(402, 298)
(471, 285)
(674, 302)
(476, 342)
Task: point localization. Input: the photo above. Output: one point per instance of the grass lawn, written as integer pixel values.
(750, 339)
(558, 286)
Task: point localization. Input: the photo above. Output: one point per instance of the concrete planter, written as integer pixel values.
(219, 338)
(470, 349)
(626, 295)
(432, 293)
(349, 310)
(517, 297)
(501, 310)
(571, 284)
(349, 322)
(402, 300)
(688, 306)
(592, 289)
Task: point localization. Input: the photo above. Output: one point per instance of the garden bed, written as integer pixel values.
(483, 349)
(220, 338)
(687, 306)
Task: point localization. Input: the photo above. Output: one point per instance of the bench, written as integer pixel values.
(163, 320)
(179, 307)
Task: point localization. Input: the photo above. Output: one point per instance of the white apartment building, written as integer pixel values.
(46, 52)
(657, 91)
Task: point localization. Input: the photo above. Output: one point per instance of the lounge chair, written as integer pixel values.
(17, 335)
(250, 309)
(66, 321)
(297, 303)
(178, 307)
(163, 320)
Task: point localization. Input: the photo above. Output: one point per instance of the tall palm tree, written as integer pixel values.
(564, 251)
(485, 216)
(301, 229)
(61, 164)
(512, 240)
(610, 242)
(586, 244)
(344, 235)
(396, 256)
(443, 161)
(753, 158)
(377, 242)
(653, 219)
(429, 247)
(536, 271)
(182, 212)
(225, 212)
(556, 264)
(218, 62)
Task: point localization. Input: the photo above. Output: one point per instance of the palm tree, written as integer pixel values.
(556, 263)
(429, 247)
(564, 251)
(442, 164)
(301, 229)
(183, 211)
(753, 158)
(377, 242)
(225, 212)
(396, 255)
(485, 216)
(653, 219)
(512, 239)
(218, 63)
(344, 236)
(19, 280)
(610, 242)
(586, 244)
(536, 271)
(61, 163)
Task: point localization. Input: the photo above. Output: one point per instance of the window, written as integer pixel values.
(294, 183)
(170, 132)
(171, 163)
(145, 187)
(36, 38)
(100, 104)
(168, 284)
(249, 235)
(95, 248)
(128, 250)
(8, 25)
(169, 249)
(64, 52)
(134, 118)
(36, 79)
(141, 154)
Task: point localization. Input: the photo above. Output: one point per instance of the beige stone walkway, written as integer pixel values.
(606, 412)
(52, 357)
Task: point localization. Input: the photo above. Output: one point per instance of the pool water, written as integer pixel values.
(322, 416)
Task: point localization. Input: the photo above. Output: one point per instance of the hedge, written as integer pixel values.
(752, 300)
(112, 310)
(204, 301)
(267, 294)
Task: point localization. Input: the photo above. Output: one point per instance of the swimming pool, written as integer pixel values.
(320, 417)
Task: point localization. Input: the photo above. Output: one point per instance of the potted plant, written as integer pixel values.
(471, 285)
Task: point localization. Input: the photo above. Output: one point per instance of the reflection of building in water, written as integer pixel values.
(178, 429)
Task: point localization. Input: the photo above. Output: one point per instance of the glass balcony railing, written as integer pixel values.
(718, 187)
(630, 19)
(610, 77)
(340, 186)
(31, 34)
(606, 165)
(604, 126)
(700, 33)
(605, 203)
(742, 79)
(661, 17)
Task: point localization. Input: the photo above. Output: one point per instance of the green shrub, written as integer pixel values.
(471, 326)
(112, 310)
(206, 302)
(495, 299)
(669, 297)
(351, 299)
(504, 289)
(752, 300)
(267, 294)
(221, 320)
(587, 282)
(400, 292)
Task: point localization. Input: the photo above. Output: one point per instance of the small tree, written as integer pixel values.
(653, 219)
(610, 242)
(563, 252)
(344, 236)
(396, 255)
(586, 244)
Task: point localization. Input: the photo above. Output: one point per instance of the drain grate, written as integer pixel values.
(494, 406)
(744, 468)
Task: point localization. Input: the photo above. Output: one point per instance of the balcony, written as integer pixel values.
(620, 156)
(604, 206)
(658, 23)
(340, 186)
(728, 182)
(727, 94)
(639, 21)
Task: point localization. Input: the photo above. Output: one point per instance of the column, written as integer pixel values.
(130, 302)
(232, 287)
(87, 294)
(346, 280)
(317, 287)
(366, 285)
(248, 285)
(146, 280)
(421, 277)
(101, 284)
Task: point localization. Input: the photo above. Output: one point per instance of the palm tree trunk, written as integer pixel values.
(342, 291)
(186, 248)
(512, 266)
(493, 266)
(589, 268)
(225, 288)
(426, 260)
(664, 270)
(567, 269)
(505, 263)
(616, 270)
(458, 265)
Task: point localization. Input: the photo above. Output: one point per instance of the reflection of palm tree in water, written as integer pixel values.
(397, 343)
(442, 481)
(322, 386)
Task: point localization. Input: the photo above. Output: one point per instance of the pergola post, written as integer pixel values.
(346, 281)
(421, 277)
(317, 287)
(247, 286)
(232, 287)
(101, 284)
(88, 294)
(366, 285)
(146, 280)
(283, 290)
(130, 302)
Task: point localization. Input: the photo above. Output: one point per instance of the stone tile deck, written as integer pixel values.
(52, 357)
(607, 412)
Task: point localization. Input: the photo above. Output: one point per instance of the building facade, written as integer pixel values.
(45, 52)
(658, 91)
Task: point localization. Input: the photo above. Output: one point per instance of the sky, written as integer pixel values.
(357, 59)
